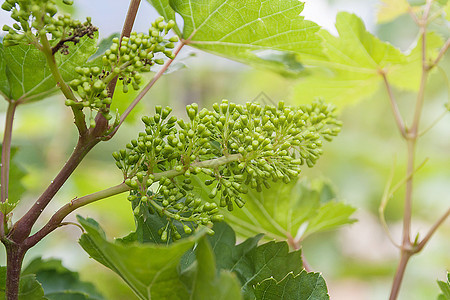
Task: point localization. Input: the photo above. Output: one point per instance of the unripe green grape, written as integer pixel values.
(164, 236)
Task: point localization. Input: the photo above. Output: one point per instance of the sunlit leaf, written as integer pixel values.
(29, 287)
(241, 29)
(295, 210)
(149, 270)
(390, 9)
(409, 74)
(303, 286)
(355, 63)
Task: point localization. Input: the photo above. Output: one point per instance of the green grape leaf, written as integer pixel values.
(58, 281)
(205, 282)
(239, 30)
(16, 188)
(164, 9)
(68, 295)
(329, 216)
(303, 286)
(149, 270)
(251, 263)
(409, 74)
(391, 9)
(445, 288)
(28, 75)
(29, 287)
(354, 62)
(296, 210)
(4, 84)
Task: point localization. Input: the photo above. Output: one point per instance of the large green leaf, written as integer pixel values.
(205, 282)
(29, 287)
(296, 210)
(303, 286)
(59, 282)
(28, 75)
(149, 270)
(241, 30)
(16, 188)
(251, 263)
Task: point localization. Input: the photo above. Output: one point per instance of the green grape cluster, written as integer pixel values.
(230, 149)
(125, 59)
(35, 17)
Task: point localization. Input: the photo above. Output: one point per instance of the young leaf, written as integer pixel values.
(303, 286)
(445, 288)
(29, 287)
(409, 74)
(59, 282)
(298, 209)
(355, 60)
(27, 72)
(206, 282)
(149, 270)
(240, 29)
(391, 9)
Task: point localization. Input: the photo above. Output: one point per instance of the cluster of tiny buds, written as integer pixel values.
(91, 86)
(125, 59)
(138, 52)
(230, 149)
(35, 17)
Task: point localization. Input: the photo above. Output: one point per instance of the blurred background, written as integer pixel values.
(357, 261)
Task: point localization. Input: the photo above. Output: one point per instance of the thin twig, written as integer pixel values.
(384, 201)
(22, 227)
(394, 106)
(441, 53)
(432, 231)
(434, 123)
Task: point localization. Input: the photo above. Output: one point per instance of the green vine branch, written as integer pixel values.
(6, 159)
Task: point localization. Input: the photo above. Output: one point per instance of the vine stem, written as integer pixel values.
(76, 203)
(6, 158)
(100, 120)
(79, 116)
(412, 135)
